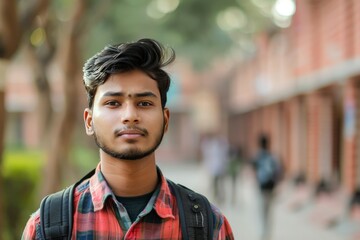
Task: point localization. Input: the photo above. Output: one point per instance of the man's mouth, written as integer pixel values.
(131, 132)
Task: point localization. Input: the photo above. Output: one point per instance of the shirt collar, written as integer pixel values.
(164, 203)
(100, 191)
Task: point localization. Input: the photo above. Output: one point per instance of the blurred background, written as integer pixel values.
(290, 69)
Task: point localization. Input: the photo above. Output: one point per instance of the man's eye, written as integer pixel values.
(144, 104)
(112, 103)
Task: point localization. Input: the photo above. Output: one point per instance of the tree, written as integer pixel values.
(12, 26)
(40, 48)
(63, 126)
(69, 49)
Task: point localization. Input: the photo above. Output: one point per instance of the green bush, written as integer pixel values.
(84, 159)
(21, 174)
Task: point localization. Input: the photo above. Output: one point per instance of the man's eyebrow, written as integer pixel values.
(113, 94)
(122, 94)
(145, 94)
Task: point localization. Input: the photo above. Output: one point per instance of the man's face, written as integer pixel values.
(127, 119)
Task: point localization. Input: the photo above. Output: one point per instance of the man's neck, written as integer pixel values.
(128, 178)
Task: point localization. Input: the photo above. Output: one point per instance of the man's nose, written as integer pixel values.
(130, 114)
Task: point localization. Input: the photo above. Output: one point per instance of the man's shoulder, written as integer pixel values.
(192, 194)
(217, 215)
(194, 203)
(31, 225)
(221, 226)
(35, 216)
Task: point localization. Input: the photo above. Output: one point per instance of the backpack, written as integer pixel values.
(195, 212)
(267, 171)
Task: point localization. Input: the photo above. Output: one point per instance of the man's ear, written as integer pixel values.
(166, 118)
(88, 121)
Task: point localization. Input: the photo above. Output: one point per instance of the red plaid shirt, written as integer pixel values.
(98, 215)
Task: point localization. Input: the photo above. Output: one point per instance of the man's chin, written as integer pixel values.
(129, 154)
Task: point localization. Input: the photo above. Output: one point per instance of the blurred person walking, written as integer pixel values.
(234, 168)
(127, 196)
(215, 154)
(268, 171)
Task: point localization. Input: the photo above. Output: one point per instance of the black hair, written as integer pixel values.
(263, 141)
(146, 55)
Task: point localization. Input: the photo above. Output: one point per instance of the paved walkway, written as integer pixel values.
(244, 214)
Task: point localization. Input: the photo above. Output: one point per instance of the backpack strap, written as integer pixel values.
(56, 212)
(195, 212)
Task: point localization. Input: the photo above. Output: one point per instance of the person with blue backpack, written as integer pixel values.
(268, 172)
(127, 196)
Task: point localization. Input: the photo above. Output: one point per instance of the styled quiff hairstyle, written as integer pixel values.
(146, 55)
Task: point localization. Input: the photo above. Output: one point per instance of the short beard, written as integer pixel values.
(132, 154)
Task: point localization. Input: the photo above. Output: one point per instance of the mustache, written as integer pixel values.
(134, 128)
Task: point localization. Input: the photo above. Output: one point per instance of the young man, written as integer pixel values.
(127, 197)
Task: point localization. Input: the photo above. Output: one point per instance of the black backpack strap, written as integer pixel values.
(56, 212)
(196, 215)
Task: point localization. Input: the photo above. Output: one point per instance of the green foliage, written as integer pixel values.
(191, 29)
(84, 159)
(22, 174)
(25, 162)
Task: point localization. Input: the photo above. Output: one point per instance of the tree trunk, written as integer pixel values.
(2, 133)
(44, 106)
(57, 157)
(11, 29)
(8, 31)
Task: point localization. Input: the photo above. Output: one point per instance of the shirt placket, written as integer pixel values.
(122, 216)
(130, 234)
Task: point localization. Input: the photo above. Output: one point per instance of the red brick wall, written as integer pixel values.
(294, 135)
(356, 26)
(325, 33)
(302, 36)
(313, 106)
(349, 155)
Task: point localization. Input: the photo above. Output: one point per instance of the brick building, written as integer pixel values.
(302, 87)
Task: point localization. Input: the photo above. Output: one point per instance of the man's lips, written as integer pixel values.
(131, 132)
